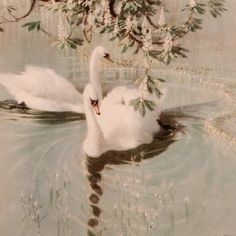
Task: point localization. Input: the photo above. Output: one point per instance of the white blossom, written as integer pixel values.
(168, 42)
(147, 41)
(116, 27)
(145, 26)
(192, 3)
(128, 23)
(35, 204)
(162, 19)
(86, 3)
(107, 17)
(97, 9)
(104, 4)
(90, 19)
(143, 90)
(186, 200)
(118, 7)
(62, 29)
(70, 4)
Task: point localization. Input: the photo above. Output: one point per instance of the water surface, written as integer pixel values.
(184, 187)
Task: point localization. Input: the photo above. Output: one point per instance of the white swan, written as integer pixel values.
(43, 89)
(118, 127)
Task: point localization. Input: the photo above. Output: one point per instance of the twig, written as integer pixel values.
(16, 19)
(152, 23)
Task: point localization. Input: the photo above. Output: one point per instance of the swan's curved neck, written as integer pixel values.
(94, 141)
(94, 73)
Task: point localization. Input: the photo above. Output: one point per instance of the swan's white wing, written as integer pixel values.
(46, 83)
(121, 95)
(116, 95)
(43, 89)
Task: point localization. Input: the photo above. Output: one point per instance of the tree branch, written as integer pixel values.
(111, 7)
(16, 19)
(152, 23)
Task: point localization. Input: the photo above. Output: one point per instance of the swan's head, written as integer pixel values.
(91, 98)
(102, 52)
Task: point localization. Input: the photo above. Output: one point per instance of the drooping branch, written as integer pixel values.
(130, 22)
(152, 23)
(33, 3)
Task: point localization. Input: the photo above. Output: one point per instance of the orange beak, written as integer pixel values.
(96, 109)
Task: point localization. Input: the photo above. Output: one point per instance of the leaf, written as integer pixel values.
(142, 109)
(77, 41)
(113, 38)
(157, 92)
(135, 103)
(125, 48)
(216, 7)
(149, 104)
(71, 44)
(161, 80)
(33, 25)
(154, 53)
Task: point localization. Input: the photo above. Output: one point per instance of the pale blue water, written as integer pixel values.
(186, 190)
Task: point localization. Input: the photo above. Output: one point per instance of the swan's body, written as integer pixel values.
(43, 89)
(119, 127)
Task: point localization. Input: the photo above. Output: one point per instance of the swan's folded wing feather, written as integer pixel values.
(41, 83)
(123, 127)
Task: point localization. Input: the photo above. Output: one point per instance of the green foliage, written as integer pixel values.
(10, 9)
(68, 43)
(199, 8)
(153, 84)
(133, 24)
(142, 105)
(167, 55)
(34, 25)
(216, 7)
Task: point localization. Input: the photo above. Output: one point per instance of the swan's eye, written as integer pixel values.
(107, 56)
(94, 102)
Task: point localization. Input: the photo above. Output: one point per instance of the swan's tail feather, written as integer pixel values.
(4, 80)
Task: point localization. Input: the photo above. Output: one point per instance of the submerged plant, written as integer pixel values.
(33, 211)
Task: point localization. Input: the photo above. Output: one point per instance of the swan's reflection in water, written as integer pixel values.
(95, 167)
(163, 139)
(17, 111)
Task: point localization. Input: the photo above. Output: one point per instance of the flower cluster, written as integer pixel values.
(147, 41)
(128, 23)
(168, 44)
(107, 17)
(62, 29)
(143, 89)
